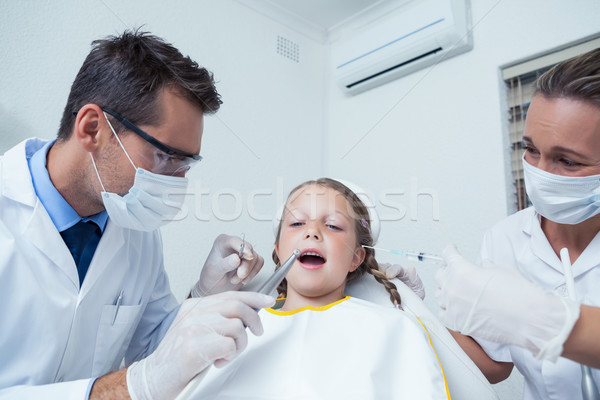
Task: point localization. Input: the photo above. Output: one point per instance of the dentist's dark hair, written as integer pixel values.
(362, 227)
(127, 73)
(577, 78)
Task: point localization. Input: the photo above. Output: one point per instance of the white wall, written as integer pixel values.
(266, 137)
(443, 127)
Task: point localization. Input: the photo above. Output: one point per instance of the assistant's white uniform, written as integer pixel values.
(519, 240)
(351, 349)
(50, 329)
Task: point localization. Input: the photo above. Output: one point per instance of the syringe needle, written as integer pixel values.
(415, 255)
(379, 248)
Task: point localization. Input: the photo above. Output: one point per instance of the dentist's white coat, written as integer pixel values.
(51, 330)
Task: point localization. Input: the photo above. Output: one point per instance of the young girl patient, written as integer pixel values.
(322, 344)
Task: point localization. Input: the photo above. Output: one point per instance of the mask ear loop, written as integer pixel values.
(118, 140)
(97, 174)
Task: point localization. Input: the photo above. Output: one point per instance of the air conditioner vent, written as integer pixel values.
(429, 53)
(416, 35)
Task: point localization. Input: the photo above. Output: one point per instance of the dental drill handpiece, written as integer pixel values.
(275, 279)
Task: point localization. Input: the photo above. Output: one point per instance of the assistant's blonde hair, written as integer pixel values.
(362, 228)
(576, 78)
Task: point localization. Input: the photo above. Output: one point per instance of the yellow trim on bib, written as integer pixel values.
(436, 356)
(297, 310)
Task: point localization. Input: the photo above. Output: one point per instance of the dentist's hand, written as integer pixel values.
(224, 270)
(408, 276)
(499, 304)
(206, 330)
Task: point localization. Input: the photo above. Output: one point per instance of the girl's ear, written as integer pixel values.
(358, 258)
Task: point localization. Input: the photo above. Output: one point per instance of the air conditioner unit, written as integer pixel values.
(415, 35)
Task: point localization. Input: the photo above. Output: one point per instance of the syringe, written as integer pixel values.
(411, 255)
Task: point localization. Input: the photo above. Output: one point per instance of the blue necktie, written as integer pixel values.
(81, 240)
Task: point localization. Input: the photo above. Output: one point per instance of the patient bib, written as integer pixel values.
(351, 349)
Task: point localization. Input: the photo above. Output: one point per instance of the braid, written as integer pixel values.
(372, 267)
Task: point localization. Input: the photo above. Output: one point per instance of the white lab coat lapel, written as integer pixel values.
(541, 248)
(540, 245)
(111, 242)
(588, 259)
(38, 230)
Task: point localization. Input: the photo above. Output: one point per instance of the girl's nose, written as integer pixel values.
(312, 233)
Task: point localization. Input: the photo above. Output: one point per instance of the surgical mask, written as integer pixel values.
(562, 199)
(144, 207)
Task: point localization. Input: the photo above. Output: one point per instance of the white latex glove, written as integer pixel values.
(205, 330)
(223, 269)
(499, 304)
(408, 276)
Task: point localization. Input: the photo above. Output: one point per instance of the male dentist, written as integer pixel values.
(82, 281)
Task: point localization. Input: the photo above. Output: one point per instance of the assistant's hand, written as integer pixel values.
(408, 276)
(205, 330)
(499, 304)
(223, 269)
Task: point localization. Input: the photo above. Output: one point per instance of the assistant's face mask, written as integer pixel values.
(148, 205)
(562, 199)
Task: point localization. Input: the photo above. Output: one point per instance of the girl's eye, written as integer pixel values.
(296, 224)
(334, 227)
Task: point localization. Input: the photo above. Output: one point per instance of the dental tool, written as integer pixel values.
(266, 288)
(280, 273)
(588, 386)
(242, 246)
(411, 255)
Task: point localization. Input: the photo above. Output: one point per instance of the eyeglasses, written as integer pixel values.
(154, 142)
(167, 161)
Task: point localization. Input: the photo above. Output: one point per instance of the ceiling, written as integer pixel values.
(324, 13)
